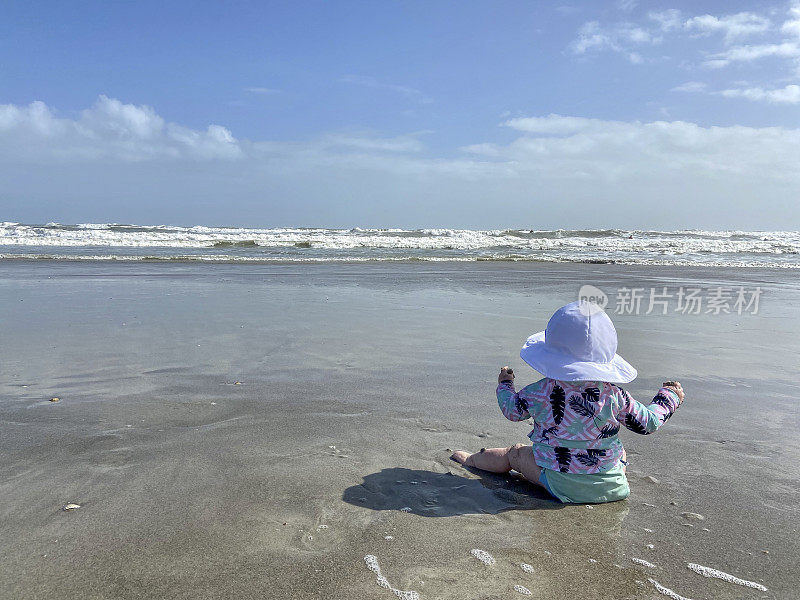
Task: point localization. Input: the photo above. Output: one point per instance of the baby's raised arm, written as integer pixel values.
(646, 419)
(514, 407)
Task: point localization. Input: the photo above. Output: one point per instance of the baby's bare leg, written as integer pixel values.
(501, 460)
(488, 459)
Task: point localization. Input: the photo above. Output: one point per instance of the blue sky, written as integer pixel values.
(429, 113)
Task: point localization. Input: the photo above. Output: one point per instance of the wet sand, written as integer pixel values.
(256, 431)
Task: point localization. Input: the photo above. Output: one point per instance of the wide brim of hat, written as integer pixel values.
(559, 366)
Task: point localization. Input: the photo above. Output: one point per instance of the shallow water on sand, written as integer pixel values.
(257, 431)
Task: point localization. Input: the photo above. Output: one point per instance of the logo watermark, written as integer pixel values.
(592, 298)
(687, 300)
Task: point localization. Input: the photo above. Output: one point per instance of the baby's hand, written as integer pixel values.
(675, 386)
(506, 374)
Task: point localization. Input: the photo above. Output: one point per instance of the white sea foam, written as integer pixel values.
(523, 590)
(483, 556)
(643, 562)
(666, 591)
(372, 565)
(711, 248)
(709, 572)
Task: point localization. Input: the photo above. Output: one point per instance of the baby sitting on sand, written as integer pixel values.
(577, 410)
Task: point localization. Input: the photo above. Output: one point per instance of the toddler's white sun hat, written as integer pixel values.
(579, 344)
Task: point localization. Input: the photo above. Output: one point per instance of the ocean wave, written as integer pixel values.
(112, 241)
(223, 258)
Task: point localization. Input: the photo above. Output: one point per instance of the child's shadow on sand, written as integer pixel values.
(431, 494)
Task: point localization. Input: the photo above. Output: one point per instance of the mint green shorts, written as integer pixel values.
(588, 488)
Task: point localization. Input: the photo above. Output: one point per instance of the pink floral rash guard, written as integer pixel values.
(576, 422)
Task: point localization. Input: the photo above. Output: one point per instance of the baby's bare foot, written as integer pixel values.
(460, 456)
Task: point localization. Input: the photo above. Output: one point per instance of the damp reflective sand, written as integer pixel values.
(284, 431)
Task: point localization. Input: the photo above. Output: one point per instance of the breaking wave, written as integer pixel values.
(93, 241)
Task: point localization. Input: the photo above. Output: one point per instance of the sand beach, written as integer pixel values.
(257, 431)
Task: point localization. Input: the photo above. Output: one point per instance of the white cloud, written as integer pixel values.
(405, 143)
(787, 95)
(632, 39)
(627, 5)
(410, 93)
(264, 91)
(754, 52)
(733, 26)
(557, 125)
(609, 150)
(792, 25)
(590, 36)
(487, 149)
(556, 167)
(668, 20)
(690, 87)
(637, 35)
(716, 63)
(108, 130)
(620, 37)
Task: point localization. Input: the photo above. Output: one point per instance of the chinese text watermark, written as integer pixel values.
(687, 300)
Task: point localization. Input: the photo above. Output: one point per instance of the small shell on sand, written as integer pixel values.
(55, 399)
(526, 567)
(483, 556)
(693, 516)
(650, 478)
(70, 506)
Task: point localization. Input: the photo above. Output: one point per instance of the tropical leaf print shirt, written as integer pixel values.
(576, 422)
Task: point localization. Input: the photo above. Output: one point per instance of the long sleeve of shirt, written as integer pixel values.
(645, 419)
(514, 406)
